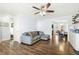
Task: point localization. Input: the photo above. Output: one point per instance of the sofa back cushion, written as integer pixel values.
(41, 33)
(34, 33)
(27, 34)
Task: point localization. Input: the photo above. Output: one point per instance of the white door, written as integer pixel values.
(5, 33)
(0, 34)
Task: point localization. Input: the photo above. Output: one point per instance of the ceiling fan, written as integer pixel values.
(43, 10)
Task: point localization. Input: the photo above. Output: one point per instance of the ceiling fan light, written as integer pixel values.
(43, 13)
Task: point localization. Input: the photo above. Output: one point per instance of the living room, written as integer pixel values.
(20, 19)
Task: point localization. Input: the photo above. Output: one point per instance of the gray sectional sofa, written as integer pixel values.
(31, 37)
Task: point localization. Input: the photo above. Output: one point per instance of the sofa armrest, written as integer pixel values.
(41, 33)
(26, 39)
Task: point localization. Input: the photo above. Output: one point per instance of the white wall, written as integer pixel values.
(23, 24)
(45, 25)
(4, 31)
(27, 24)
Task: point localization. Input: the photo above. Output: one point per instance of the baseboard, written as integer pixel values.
(5, 39)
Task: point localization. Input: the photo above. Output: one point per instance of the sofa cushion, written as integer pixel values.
(36, 37)
(38, 33)
(33, 34)
(27, 34)
(41, 33)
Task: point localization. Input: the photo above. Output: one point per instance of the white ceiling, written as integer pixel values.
(61, 9)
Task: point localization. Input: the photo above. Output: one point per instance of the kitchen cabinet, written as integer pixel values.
(74, 39)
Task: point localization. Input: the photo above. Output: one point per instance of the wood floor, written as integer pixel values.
(39, 48)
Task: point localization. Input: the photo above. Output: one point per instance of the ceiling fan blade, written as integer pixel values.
(48, 5)
(36, 8)
(49, 11)
(36, 13)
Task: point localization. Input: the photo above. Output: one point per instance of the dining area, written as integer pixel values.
(62, 34)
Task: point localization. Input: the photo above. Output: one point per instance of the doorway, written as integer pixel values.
(11, 28)
(11, 34)
(59, 32)
(59, 39)
(52, 29)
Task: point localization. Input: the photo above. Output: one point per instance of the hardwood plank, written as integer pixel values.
(39, 48)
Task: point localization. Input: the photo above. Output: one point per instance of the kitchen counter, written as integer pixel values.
(74, 39)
